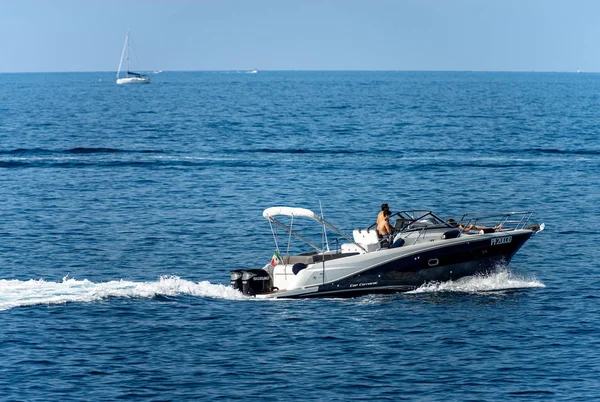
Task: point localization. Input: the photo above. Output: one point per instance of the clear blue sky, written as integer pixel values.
(480, 35)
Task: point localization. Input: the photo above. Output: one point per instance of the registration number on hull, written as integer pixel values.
(496, 241)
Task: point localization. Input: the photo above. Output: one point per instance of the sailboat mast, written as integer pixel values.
(128, 53)
(123, 55)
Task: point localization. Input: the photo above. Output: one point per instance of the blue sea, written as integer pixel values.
(124, 208)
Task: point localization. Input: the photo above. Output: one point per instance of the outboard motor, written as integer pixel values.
(256, 281)
(236, 279)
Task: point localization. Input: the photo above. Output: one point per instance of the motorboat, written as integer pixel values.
(424, 248)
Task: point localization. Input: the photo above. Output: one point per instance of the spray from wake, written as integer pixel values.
(502, 280)
(15, 293)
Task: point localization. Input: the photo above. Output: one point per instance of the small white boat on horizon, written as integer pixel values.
(130, 77)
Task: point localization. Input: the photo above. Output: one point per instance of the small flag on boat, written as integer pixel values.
(276, 259)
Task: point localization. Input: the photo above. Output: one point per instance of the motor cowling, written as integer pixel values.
(236, 279)
(256, 281)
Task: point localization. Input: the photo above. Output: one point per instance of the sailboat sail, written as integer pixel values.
(123, 54)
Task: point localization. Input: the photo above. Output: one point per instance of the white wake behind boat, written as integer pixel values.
(424, 248)
(130, 76)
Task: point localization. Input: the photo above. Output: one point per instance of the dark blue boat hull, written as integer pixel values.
(435, 265)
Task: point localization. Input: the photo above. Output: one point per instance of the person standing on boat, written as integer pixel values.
(380, 217)
(383, 227)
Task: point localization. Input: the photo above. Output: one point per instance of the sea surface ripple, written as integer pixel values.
(125, 207)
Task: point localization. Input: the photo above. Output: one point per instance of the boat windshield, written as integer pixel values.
(415, 219)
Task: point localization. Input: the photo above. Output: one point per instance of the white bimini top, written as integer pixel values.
(288, 211)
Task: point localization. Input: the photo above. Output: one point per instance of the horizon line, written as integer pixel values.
(305, 70)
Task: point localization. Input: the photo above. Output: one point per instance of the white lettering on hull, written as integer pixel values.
(353, 285)
(496, 241)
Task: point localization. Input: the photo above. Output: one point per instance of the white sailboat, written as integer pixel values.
(130, 77)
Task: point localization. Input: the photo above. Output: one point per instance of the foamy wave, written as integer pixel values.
(15, 293)
(498, 281)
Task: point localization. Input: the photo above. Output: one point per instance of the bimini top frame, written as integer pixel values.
(271, 213)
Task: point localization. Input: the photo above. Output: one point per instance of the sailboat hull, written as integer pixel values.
(133, 80)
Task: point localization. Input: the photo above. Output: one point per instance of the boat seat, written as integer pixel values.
(329, 257)
(294, 259)
(298, 267)
(312, 258)
(399, 242)
(451, 234)
(365, 236)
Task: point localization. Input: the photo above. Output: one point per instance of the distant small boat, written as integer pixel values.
(158, 71)
(130, 77)
(252, 71)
